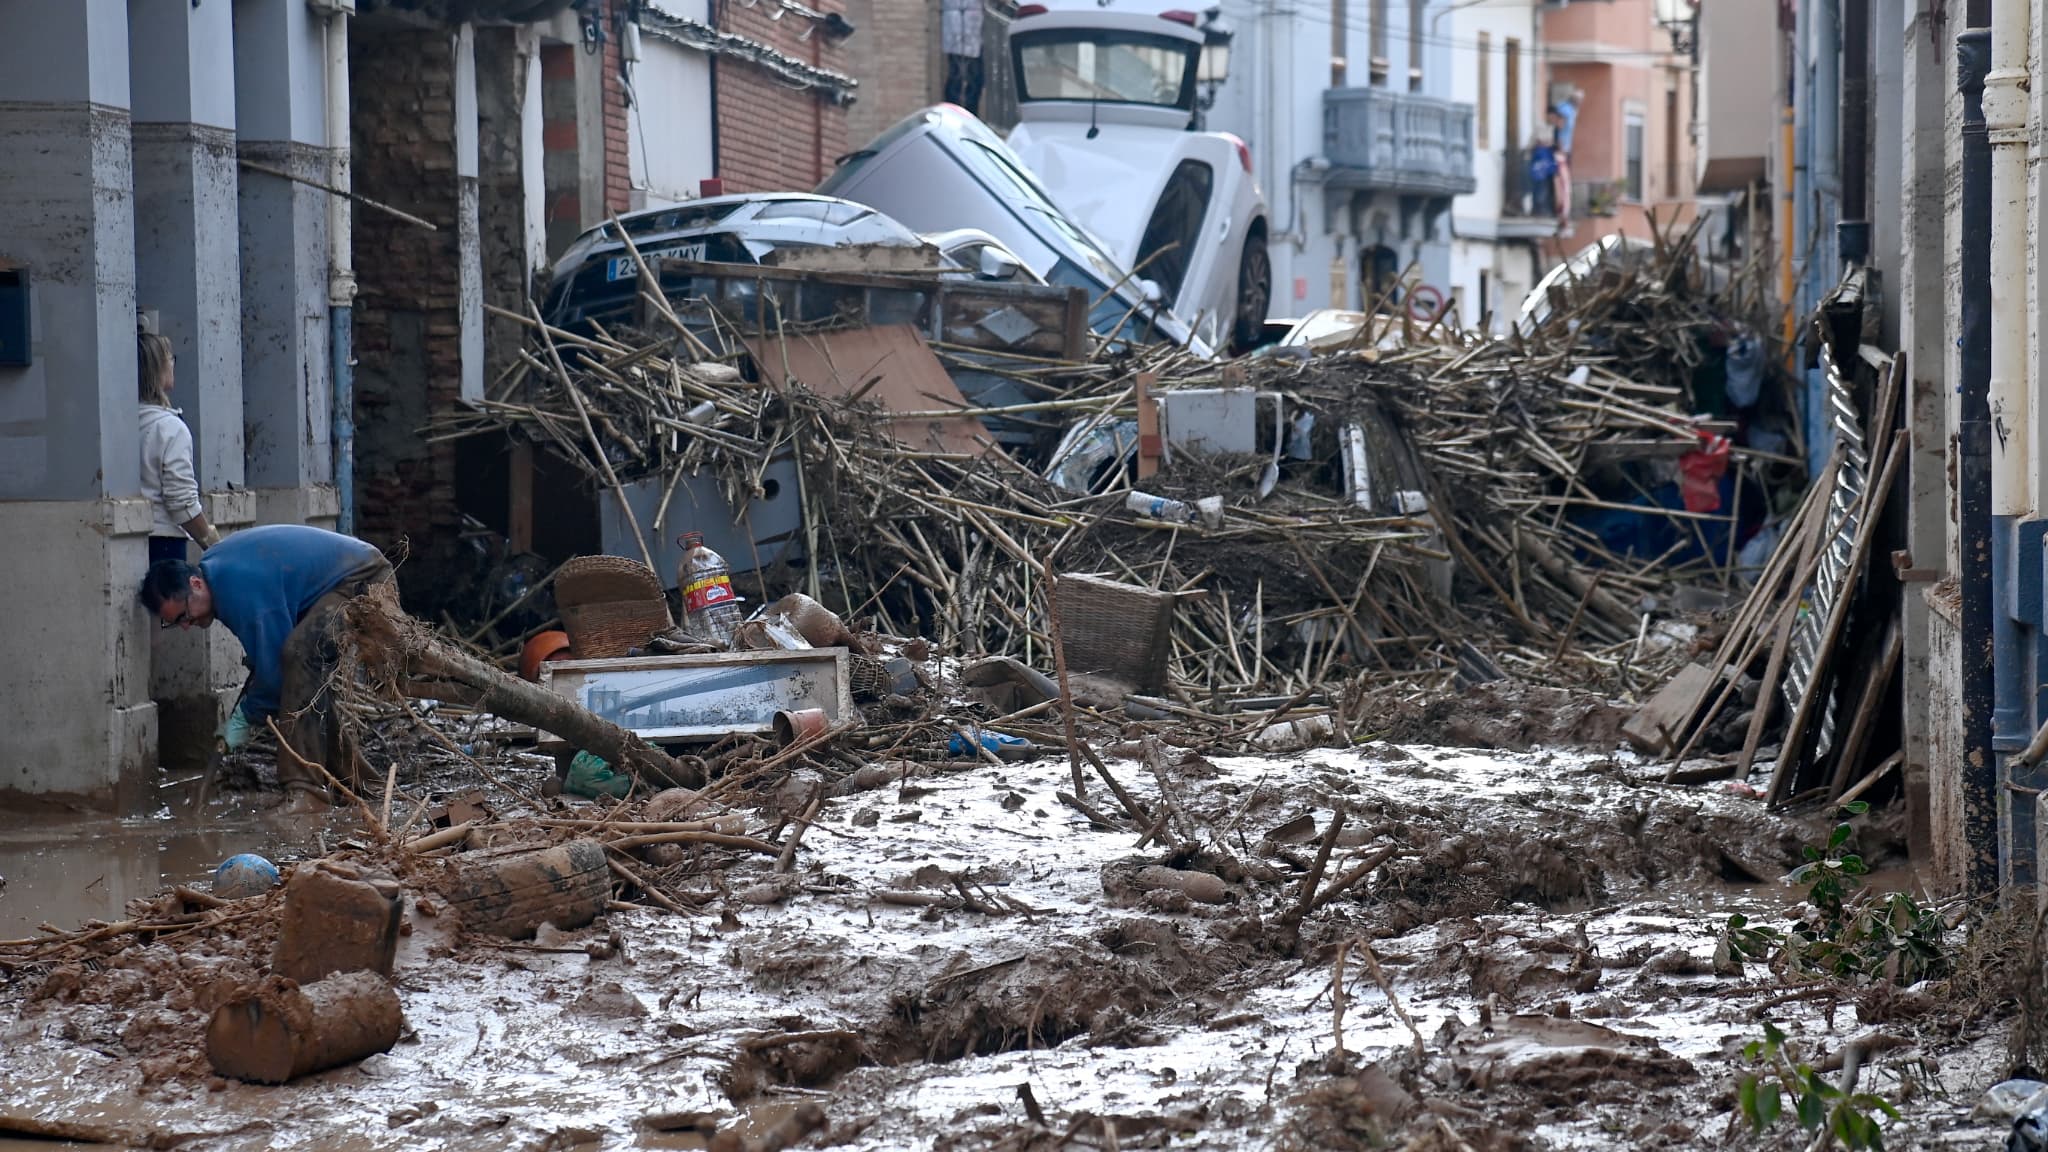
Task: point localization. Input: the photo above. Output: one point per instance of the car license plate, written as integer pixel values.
(623, 268)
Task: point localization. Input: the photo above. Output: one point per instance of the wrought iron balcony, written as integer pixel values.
(1391, 141)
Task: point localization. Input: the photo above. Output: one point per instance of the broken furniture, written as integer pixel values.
(1118, 630)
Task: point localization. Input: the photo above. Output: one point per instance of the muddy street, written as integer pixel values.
(964, 960)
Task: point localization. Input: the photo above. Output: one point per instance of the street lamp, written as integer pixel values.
(1680, 20)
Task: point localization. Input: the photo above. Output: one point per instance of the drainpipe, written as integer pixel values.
(2005, 127)
(1852, 231)
(1979, 778)
(1787, 200)
(341, 274)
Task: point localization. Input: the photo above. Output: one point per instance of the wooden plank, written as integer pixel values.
(1076, 328)
(890, 365)
(1655, 725)
(1858, 731)
(1151, 446)
(1872, 510)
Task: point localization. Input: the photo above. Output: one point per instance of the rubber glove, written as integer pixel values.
(592, 777)
(234, 735)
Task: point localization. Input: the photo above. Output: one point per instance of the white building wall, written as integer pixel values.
(1479, 252)
(670, 125)
(1280, 67)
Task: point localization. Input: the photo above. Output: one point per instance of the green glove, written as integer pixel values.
(590, 776)
(236, 732)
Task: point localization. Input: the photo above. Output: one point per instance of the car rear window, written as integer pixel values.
(836, 213)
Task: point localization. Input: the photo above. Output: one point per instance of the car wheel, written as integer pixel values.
(1254, 291)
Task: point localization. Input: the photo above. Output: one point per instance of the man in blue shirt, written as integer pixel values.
(280, 589)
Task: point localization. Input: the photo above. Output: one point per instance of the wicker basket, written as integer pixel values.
(605, 580)
(604, 631)
(866, 677)
(1122, 631)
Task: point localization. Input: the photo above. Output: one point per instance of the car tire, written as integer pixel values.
(1254, 291)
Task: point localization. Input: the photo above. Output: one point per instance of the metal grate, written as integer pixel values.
(1831, 579)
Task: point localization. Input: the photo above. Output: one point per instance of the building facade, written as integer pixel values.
(1631, 160)
(1359, 144)
(1499, 237)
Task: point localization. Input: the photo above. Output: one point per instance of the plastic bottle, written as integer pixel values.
(1208, 510)
(705, 580)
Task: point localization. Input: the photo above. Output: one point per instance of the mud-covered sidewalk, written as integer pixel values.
(962, 960)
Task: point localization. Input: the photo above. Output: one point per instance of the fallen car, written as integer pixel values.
(1107, 109)
(942, 169)
(597, 279)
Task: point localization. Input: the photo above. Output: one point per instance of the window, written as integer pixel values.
(1632, 128)
(1415, 45)
(1176, 228)
(1511, 91)
(1484, 111)
(1113, 67)
(1379, 41)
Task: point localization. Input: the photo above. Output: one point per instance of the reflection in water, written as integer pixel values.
(63, 869)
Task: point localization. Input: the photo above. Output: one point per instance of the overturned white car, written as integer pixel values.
(1109, 97)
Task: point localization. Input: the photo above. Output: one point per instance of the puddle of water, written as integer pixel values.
(64, 870)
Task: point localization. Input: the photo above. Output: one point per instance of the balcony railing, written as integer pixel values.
(1391, 141)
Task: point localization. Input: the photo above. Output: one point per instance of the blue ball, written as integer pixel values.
(245, 875)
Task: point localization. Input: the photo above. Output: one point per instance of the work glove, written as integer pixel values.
(234, 735)
(209, 538)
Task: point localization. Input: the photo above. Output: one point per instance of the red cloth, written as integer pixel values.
(1699, 474)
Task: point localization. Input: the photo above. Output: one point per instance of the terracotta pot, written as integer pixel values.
(802, 724)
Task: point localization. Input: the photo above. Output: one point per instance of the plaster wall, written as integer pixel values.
(1919, 292)
(89, 730)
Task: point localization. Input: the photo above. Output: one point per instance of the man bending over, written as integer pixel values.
(280, 589)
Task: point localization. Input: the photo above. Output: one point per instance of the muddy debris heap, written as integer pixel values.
(1392, 504)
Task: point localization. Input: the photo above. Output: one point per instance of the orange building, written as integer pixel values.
(1632, 151)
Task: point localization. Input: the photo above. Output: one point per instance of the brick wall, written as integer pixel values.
(407, 330)
(618, 172)
(771, 137)
(894, 53)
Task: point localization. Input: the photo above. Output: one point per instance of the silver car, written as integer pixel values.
(942, 169)
(596, 278)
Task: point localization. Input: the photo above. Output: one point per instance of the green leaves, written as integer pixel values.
(1761, 1103)
(1850, 934)
(1761, 1095)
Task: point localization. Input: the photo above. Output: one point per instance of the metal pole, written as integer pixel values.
(341, 275)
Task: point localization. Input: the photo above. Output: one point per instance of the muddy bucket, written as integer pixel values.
(793, 727)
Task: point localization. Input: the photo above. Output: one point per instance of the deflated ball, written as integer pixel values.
(244, 875)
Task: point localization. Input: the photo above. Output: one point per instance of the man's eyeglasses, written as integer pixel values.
(184, 616)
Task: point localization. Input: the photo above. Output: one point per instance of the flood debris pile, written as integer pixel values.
(1806, 662)
(1400, 505)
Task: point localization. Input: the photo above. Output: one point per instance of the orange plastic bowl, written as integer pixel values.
(542, 648)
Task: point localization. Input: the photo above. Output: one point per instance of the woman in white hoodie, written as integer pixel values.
(168, 481)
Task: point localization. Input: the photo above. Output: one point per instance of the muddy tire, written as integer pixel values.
(511, 896)
(1254, 290)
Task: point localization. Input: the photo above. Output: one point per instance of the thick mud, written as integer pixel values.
(961, 961)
